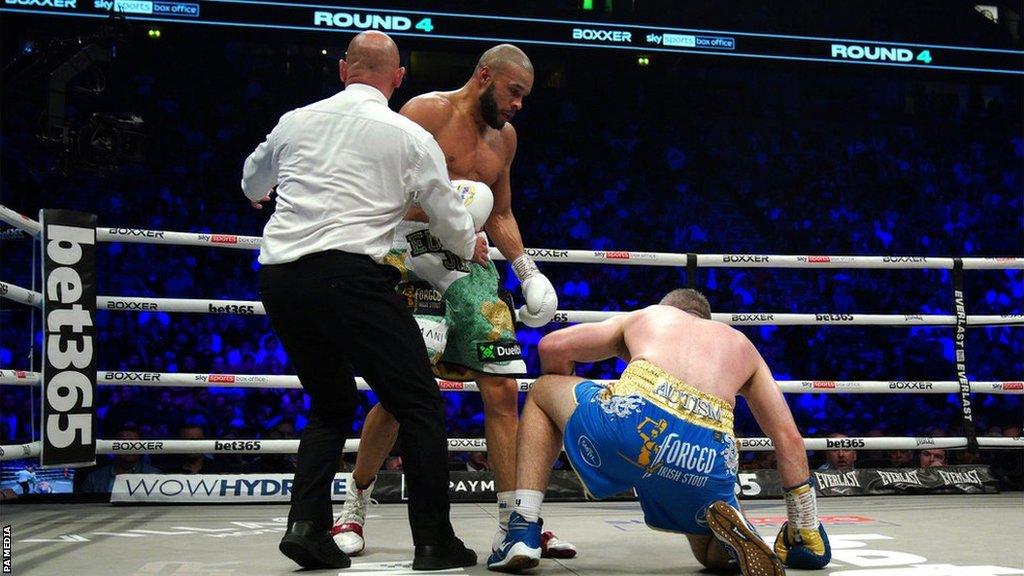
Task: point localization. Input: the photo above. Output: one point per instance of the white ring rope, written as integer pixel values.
(618, 257)
(19, 294)
(261, 446)
(829, 319)
(255, 308)
(202, 380)
(20, 221)
(623, 257)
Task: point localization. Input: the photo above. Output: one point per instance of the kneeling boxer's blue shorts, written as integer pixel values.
(650, 431)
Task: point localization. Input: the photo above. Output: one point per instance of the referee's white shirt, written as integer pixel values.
(346, 169)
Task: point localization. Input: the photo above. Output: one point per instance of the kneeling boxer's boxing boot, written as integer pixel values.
(754, 557)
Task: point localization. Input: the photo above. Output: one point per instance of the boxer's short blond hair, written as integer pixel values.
(688, 300)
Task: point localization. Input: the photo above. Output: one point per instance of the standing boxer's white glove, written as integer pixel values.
(541, 299)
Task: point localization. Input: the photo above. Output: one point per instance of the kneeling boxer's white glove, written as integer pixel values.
(541, 299)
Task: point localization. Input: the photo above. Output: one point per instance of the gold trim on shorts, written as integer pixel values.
(674, 396)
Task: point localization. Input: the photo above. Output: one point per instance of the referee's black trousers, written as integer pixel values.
(336, 312)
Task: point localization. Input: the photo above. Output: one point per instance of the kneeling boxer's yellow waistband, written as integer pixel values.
(674, 396)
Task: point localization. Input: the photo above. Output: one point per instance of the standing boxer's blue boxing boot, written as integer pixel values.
(521, 548)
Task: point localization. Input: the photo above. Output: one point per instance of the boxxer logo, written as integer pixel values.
(903, 259)
(546, 253)
(753, 317)
(116, 305)
(137, 446)
(467, 443)
(602, 35)
(747, 258)
(132, 376)
(44, 3)
(911, 385)
(135, 232)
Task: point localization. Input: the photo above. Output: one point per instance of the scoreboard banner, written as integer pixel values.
(538, 31)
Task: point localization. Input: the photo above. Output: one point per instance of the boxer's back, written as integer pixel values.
(707, 355)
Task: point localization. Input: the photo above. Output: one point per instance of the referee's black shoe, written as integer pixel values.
(443, 556)
(312, 548)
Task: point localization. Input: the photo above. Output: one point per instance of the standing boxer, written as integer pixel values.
(472, 126)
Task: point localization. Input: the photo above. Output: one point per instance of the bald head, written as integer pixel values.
(372, 59)
(505, 56)
(372, 52)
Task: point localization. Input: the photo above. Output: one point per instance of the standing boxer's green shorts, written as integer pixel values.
(467, 315)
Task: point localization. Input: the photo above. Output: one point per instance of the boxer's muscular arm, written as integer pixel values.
(802, 542)
(502, 226)
(430, 111)
(773, 416)
(561, 349)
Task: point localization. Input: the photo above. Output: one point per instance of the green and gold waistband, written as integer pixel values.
(674, 396)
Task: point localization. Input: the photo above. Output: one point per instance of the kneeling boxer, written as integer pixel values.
(664, 428)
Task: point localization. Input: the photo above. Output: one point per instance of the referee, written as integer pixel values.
(346, 170)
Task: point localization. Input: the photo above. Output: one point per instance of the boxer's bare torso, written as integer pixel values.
(472, 150)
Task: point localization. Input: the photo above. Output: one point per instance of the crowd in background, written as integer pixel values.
(682, 159)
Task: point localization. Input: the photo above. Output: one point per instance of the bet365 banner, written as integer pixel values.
(69, 347)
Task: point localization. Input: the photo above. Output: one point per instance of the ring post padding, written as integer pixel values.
(960, 349)
(691, 270)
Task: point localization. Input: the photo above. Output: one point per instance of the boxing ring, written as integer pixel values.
(875, 535)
